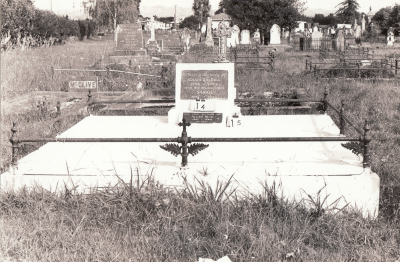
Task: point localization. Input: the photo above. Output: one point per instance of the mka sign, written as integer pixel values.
(83, 84)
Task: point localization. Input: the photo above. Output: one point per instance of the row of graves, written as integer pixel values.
(205, 138)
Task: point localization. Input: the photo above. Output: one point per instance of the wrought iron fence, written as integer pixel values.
(360, 145)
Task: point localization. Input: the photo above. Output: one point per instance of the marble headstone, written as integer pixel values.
(234, 39)
(256, 36)
(275, 35)
(358, 35)
(209, 36)
(390, 37)
(339, 40)
(245, 37)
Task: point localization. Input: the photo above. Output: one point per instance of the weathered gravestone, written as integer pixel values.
(209, 36)
(358, 35)
(363, 24)
(234, 39)
(223, 33)
(275, 35)
(245, 37)
(338, 41)
(185, 38)
(204, 93)
(390, 37)
(129, 38)
(257, 37)
(316, 39)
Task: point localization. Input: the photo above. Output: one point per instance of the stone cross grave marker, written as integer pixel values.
(245, 37)
(129, 37)
(152, 27)
(275, 35)
(205, 94)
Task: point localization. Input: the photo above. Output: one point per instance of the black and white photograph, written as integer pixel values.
(200, 130)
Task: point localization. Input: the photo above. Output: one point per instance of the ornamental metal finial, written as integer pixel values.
(184, 150)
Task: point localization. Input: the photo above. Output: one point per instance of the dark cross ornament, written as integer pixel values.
(184, 150)
(223, 33)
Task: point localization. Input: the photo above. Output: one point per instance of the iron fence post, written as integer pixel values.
(315, 70)
(366, 140)
(396, 66)
(324, 101)
(89, 100)
(184, 140)
(358, 70)
(15, 145)
(342, 121)
(58, 106)
(310, 65)
(306, 64)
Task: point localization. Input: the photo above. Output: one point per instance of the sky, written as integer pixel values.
(320, 6)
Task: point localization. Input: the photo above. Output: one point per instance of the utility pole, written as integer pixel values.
(175, 26)
(51, 5)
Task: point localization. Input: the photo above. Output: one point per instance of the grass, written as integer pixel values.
(150, 223)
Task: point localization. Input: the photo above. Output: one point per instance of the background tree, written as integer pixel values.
(113, 12)
(325, 20)
(262, 14)
(201, 9)
(191, 22)
(394, 19)
(381, 18)
(347, 11)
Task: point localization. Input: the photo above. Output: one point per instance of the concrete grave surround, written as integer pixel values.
(293, 166)
(188, 88)
(245, 37)
(275, 35)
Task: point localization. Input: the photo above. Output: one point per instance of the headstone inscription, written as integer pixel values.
(204, 93)
(275, 35)
(245, 37)
(129, 37)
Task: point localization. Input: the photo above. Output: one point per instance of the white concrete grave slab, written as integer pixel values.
(297, 168)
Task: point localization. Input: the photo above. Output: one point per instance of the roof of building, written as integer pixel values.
(221, 16)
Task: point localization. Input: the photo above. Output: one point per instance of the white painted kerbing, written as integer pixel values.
(294, 166)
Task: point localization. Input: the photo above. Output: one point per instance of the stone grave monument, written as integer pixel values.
(209, 36)
(275, 35)
(204, 93)
(234, 39)
(358, 35)
(339, 40)
(223, 33)
(245, 37)
(390, 37)
(245, 150)
(256, 37)
(316, 38)
(129, 44)
(129, 39)
(152, 44)
(185, 38)
(363, 24)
